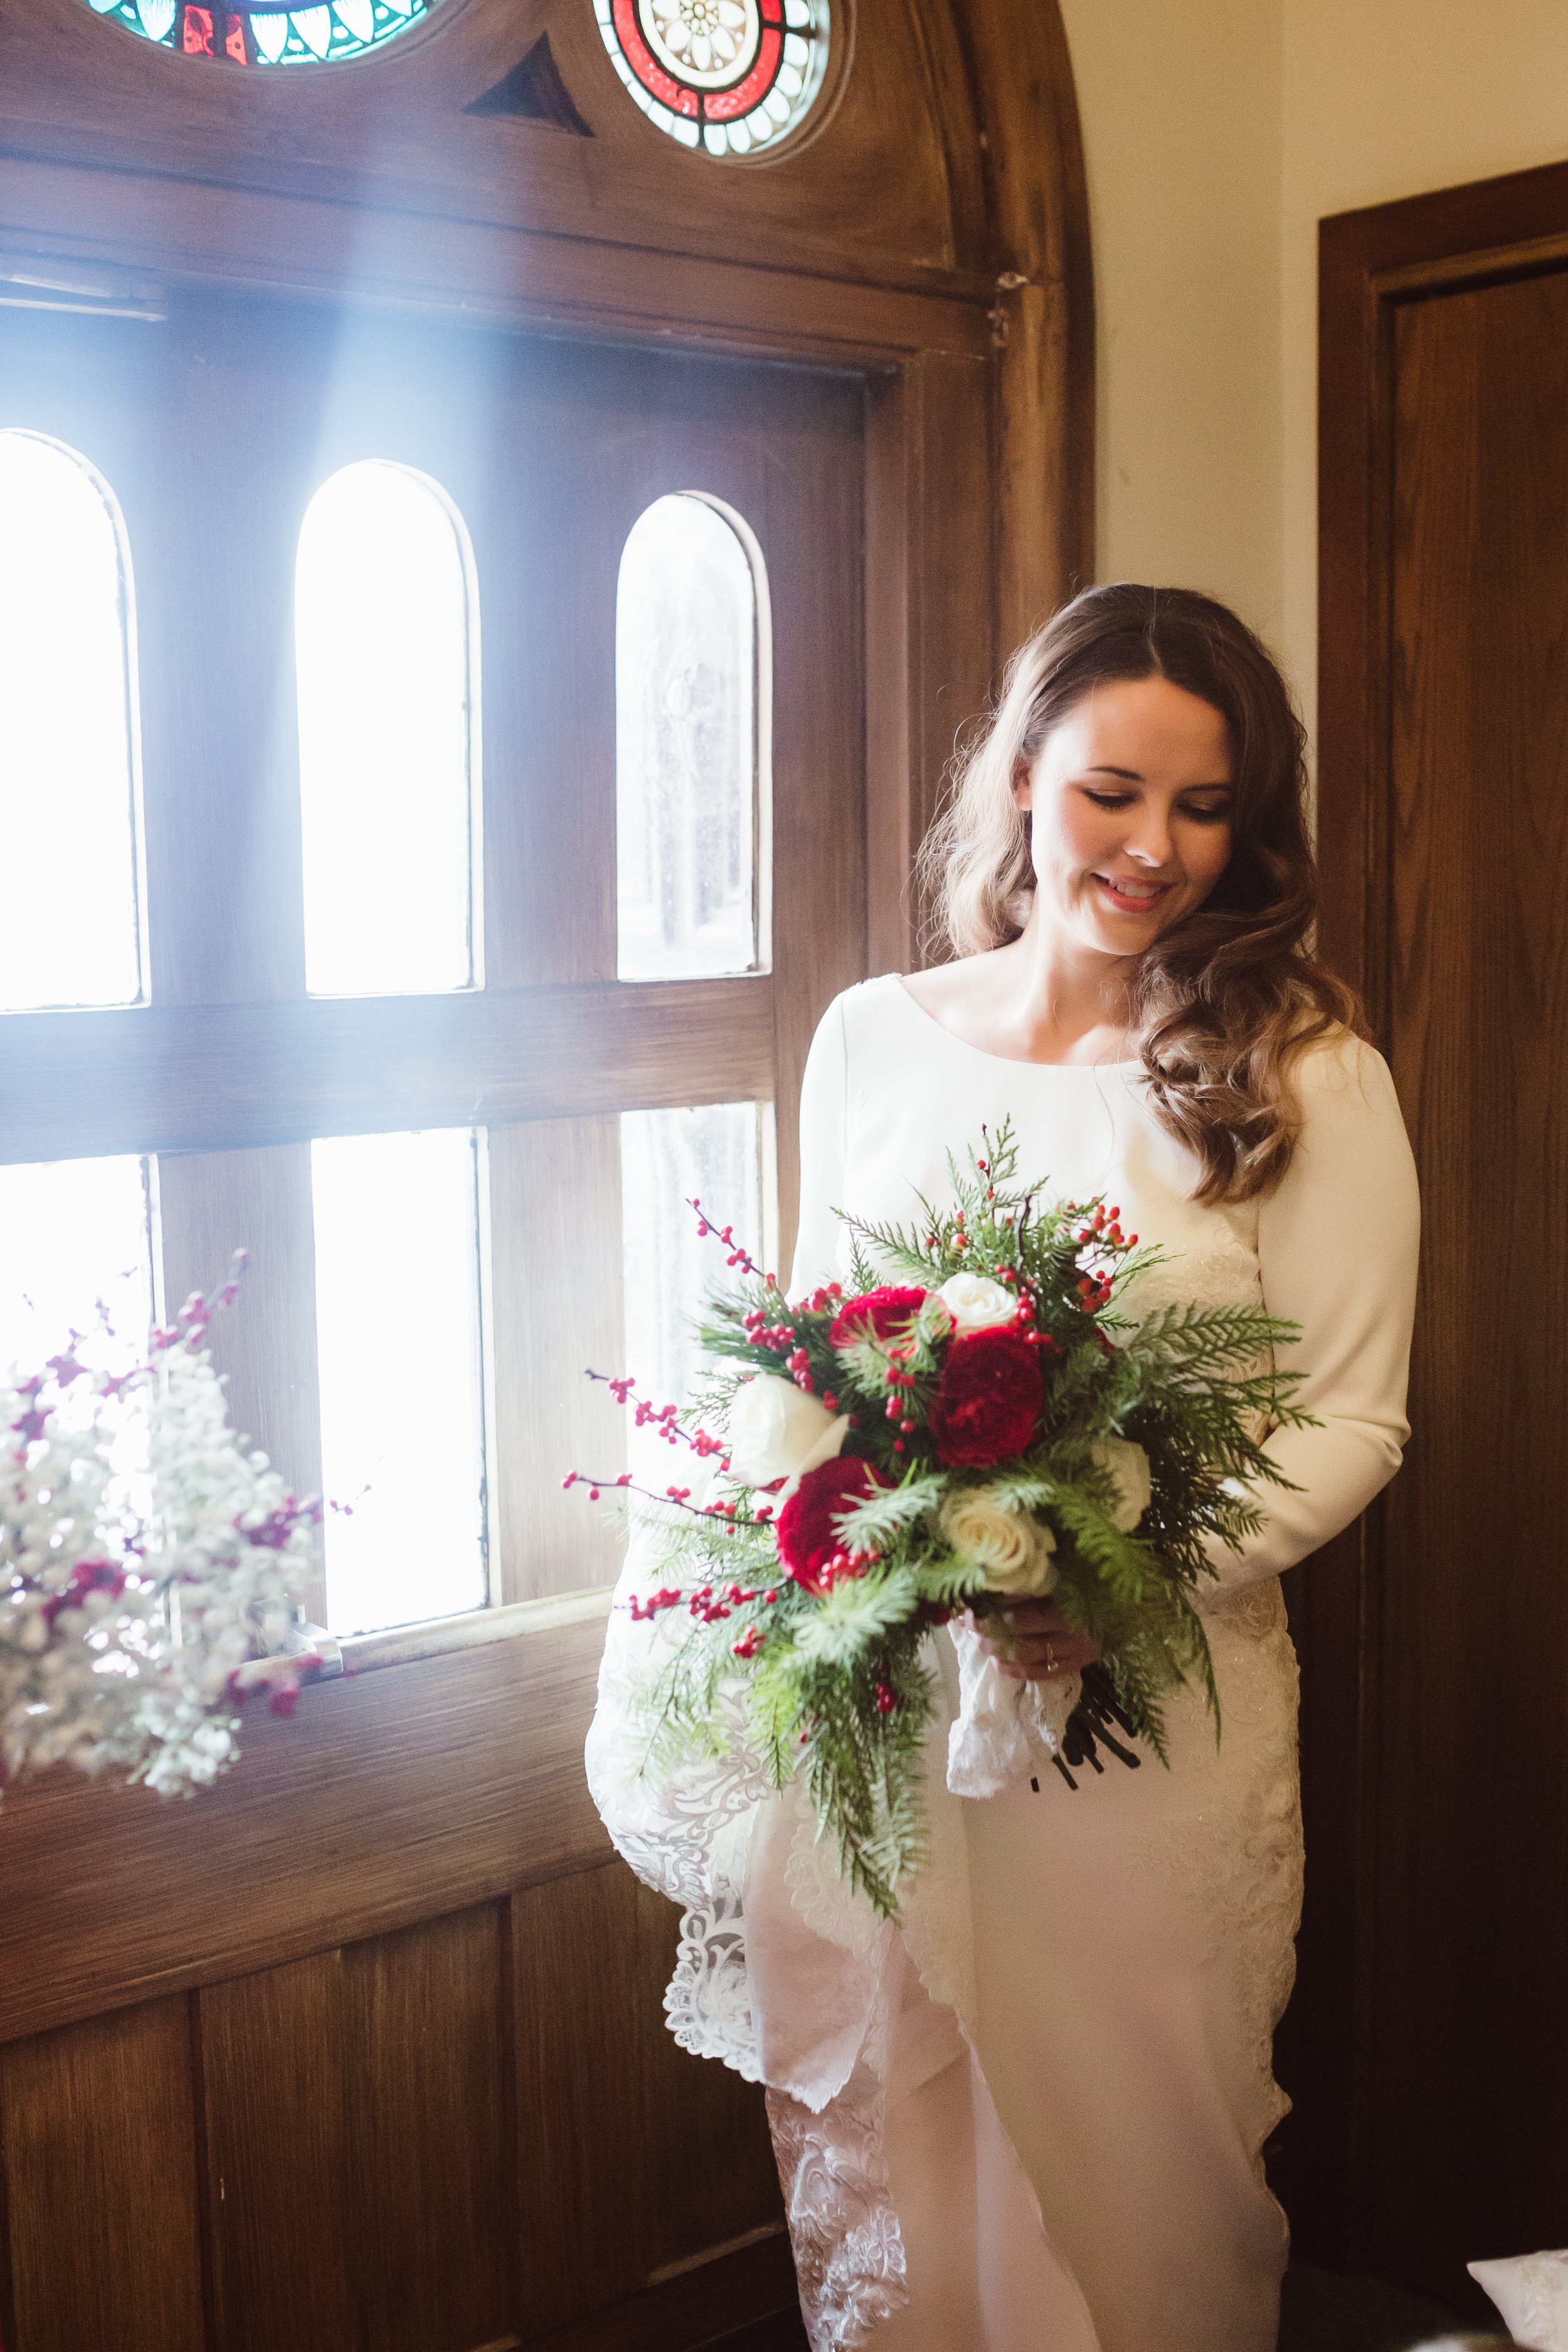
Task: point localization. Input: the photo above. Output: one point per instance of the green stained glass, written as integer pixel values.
(266, 37)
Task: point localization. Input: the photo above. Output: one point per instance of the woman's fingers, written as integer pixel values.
(1039, 1643)
(1036, 1655)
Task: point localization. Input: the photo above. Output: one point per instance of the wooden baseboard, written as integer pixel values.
(745, 2302)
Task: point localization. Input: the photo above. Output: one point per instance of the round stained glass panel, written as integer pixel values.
(730, 76)
(265, 36)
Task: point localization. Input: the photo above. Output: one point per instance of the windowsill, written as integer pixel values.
(402, 1644)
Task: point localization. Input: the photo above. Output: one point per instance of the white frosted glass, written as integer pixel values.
(73, 1231)
(385, 634)
(687, 746)
(314, 27)
(718, 1155)
(70, 933)
(397, 1339)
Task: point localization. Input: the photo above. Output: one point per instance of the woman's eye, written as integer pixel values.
(1217, 814)
(1110, 799)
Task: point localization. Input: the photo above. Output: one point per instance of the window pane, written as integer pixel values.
(71, 932)
(691, 717)
(73, 1231)
(722, 1156)
(386, 633)
(397, 1321)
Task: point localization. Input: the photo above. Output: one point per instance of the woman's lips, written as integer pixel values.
(1132, 897)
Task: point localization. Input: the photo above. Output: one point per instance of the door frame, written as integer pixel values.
(1371, 262)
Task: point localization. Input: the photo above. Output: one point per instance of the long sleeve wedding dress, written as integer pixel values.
(1030, 2118)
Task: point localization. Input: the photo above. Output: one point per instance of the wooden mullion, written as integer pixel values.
(216, 1077)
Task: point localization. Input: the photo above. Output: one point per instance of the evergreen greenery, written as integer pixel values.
(834, 1679)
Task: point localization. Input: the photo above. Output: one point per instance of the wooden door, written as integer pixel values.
(1436, 2069)
(365, 2048)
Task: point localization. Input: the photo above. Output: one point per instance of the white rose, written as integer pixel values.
(1014, 1550)
(1127, 1467)
(776, 1431)
(976, 1303)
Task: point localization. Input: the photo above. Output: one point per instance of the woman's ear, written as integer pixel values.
(1023, 785)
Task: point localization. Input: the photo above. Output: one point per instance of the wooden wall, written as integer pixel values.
(417, 2127)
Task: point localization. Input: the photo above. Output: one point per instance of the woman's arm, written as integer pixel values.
(824, 1120)
(1337, 1247)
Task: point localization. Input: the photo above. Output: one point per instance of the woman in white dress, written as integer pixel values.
(1030, 2118)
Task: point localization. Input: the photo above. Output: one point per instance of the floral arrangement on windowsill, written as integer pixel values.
(151, 1566)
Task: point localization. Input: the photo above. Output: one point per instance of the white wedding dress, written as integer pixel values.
(1030, 2119)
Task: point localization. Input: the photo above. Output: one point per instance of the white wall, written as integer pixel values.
(1180, 101)
(1383, 98)
(1217, 133)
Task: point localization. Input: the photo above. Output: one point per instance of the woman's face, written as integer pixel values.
(1131, 796)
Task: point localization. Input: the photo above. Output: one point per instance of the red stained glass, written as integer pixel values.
(234, 41)
(196, 33)
(646, 66)
(728, 105)
(730, 76)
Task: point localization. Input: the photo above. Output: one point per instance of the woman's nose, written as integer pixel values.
(1150, 843)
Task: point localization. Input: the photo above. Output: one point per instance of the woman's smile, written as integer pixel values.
(1132, 894)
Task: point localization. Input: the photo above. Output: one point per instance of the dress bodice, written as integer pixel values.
(889, 1094)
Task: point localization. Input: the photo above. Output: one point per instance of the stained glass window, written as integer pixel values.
(265, 36)
(69, 819)
(692, 745)
(729, 76)
(386, 647)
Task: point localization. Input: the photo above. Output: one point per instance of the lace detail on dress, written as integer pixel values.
(684, 1829)
(848, 2251)
(1544, 2279)
(827, 1902)
(1237, 1858)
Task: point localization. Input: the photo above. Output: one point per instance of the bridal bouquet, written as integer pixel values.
(978, 1418)
(149, 1567)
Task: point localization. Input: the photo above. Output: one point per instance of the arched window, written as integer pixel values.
(692, 726)
(386, 638)
(70, 798)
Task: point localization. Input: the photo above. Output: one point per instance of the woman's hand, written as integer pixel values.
(1042, 1641)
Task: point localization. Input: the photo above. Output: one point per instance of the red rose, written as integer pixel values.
(988, 1399)
(806, 1530)
(877, 1313)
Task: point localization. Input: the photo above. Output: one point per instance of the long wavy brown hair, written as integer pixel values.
(1225, 1001)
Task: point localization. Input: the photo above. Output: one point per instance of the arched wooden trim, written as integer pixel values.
(1026, 105)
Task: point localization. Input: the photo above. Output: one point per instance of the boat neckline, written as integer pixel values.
(1006, 1061)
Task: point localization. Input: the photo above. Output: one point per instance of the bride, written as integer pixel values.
(1029, 2117)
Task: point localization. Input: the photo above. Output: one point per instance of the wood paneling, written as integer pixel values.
(99, 2125)
(274, 2091)
(471, 2132)
(597, 2067)
(390, 1797)
(231, 1076)
(1435, 1661)
(428, 2024)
